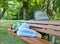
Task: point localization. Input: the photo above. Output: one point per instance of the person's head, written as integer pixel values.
(11, 27)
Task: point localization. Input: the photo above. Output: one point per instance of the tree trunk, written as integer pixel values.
(54, 14)
(18, 15)
(25, 10)
(3, 13)
(59, 10)
(48, 7)
(49, 10)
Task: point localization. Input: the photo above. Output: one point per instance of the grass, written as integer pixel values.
(7, 38)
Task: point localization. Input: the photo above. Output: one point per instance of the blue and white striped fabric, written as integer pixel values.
(25, 31)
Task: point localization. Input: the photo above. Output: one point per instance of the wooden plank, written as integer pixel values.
(41, 40)
(44, 22)
(52, 32)
(46, 26)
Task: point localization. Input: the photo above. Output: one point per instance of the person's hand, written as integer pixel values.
(14, 31)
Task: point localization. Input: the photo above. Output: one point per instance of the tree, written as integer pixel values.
(26, 6)
(13, 11)
(4, 6)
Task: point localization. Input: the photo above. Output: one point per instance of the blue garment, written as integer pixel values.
(25, 31)
(24, 25)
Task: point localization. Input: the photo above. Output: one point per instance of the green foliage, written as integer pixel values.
(3, 3)
(16, 9)
(57, 9)
(13, 10)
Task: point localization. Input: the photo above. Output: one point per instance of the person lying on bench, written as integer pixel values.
(24, 30)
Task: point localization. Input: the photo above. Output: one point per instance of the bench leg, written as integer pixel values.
(53, 39)
(48, 37)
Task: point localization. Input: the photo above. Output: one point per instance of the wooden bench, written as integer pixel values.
(48, 27)
(40, 27)
(31, 40)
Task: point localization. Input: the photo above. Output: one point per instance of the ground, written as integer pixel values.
(7, 38)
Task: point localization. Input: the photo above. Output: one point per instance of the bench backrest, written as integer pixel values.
(49, 27)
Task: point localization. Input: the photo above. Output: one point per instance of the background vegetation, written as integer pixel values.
(25, 9)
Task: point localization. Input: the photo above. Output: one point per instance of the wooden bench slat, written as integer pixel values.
(56, 33)
(46, 26)
(34, 41)
(44, 22)
(41, 40)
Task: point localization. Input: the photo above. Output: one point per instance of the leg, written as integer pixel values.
(38, 35)
(48, 37)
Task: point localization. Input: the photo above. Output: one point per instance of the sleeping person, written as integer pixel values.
(24, 30)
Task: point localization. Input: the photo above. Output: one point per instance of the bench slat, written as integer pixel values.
(44, 22)
(46, 26)
(41, 40)
(52, 32)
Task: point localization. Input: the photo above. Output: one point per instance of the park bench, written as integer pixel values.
(48, 27)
